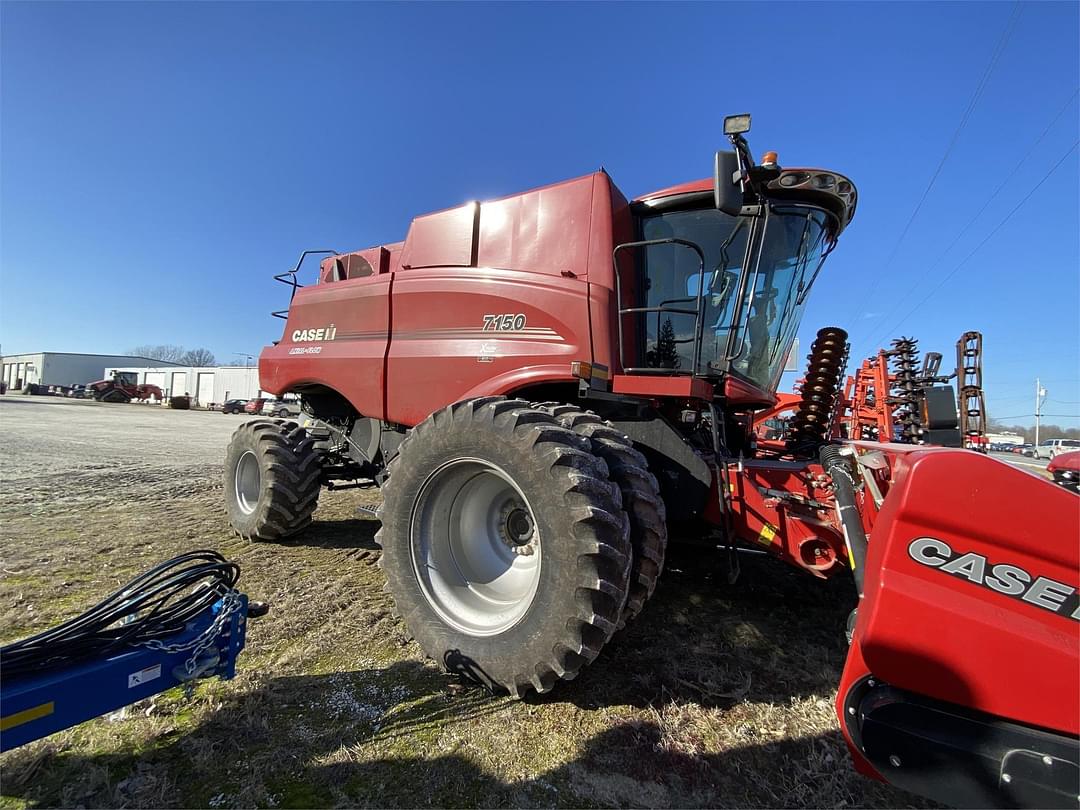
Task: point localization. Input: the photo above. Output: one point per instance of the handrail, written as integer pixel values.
(289, 278)
(671, 240)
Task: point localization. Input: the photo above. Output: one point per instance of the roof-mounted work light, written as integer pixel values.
(736, 124)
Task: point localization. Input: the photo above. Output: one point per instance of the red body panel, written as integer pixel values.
(645, 385)
(948, 636)
(440, 351)
(743, 394)
(353, 362)
(445, 238)
(407, 328)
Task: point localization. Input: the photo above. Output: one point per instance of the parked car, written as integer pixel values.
(1048, 448)
(282, 408)
(1023, 449)
(254, 405)
(233, 406)
(1065, 467)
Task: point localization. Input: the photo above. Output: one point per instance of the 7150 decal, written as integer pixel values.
(509, 322)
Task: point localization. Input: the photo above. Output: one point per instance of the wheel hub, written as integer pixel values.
(517, 529)
(475, 547)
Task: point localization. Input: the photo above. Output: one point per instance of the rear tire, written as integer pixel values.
(640, 496)
(272, 479)
(505, 546)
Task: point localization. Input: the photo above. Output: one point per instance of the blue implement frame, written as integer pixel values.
(35, 706)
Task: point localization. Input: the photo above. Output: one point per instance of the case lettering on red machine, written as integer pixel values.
(308, 335)
(1006, 579)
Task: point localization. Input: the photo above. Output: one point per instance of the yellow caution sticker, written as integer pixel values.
(767, 534)
(26, 715)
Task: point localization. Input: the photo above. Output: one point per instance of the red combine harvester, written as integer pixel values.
(547, 384)
(123, 387)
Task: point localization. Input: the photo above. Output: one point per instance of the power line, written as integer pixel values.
(978, 214)
(986, 239)
(998, 50)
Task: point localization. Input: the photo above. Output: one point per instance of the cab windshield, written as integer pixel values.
(778, 254)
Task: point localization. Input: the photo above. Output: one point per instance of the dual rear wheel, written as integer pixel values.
(518, 538)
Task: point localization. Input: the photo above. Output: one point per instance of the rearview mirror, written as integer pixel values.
(727, 192)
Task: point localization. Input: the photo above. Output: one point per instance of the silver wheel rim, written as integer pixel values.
(475, 547)
(248, 481)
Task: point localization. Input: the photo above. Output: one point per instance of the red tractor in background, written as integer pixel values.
(123, 386)
(550, 385)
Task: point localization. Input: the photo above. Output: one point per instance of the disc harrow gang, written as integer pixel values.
(816, 409)
(906, 389)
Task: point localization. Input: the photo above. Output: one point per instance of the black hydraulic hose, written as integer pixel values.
(155, 605)
(844, 493)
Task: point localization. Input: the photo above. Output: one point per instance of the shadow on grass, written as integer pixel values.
(380, 738)
(347, 533)
(776, 634)
(249, 741)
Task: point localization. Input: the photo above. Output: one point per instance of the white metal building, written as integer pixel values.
(204, 384)
(64, 368)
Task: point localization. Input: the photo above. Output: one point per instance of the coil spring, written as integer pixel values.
(906, 392)
(817, 409)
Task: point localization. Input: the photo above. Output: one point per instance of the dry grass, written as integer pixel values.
(717, 696)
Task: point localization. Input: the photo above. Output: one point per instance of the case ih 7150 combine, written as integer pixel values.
(548, 385)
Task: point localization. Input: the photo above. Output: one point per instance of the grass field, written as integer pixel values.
(717, 695)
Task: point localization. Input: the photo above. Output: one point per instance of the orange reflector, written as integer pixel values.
(581, 370)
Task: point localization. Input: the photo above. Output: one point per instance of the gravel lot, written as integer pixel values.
(715, 696)
(69, 454)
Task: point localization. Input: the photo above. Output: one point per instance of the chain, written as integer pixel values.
(230, 603)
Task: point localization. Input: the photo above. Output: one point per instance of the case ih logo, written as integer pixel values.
(1006, 579)
(309, 335)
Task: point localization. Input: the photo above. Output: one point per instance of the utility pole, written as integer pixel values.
(1040, 397)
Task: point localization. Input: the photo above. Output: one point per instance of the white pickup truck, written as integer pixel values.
(1048, 448)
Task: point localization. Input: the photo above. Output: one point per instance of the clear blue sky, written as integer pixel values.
(161, 161)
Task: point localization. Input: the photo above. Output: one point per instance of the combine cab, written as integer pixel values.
(547, 385)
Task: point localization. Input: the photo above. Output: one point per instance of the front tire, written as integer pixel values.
(505, 545)
(272, 479)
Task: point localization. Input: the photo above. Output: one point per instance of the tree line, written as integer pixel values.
(1046, 431)
(175, 354)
